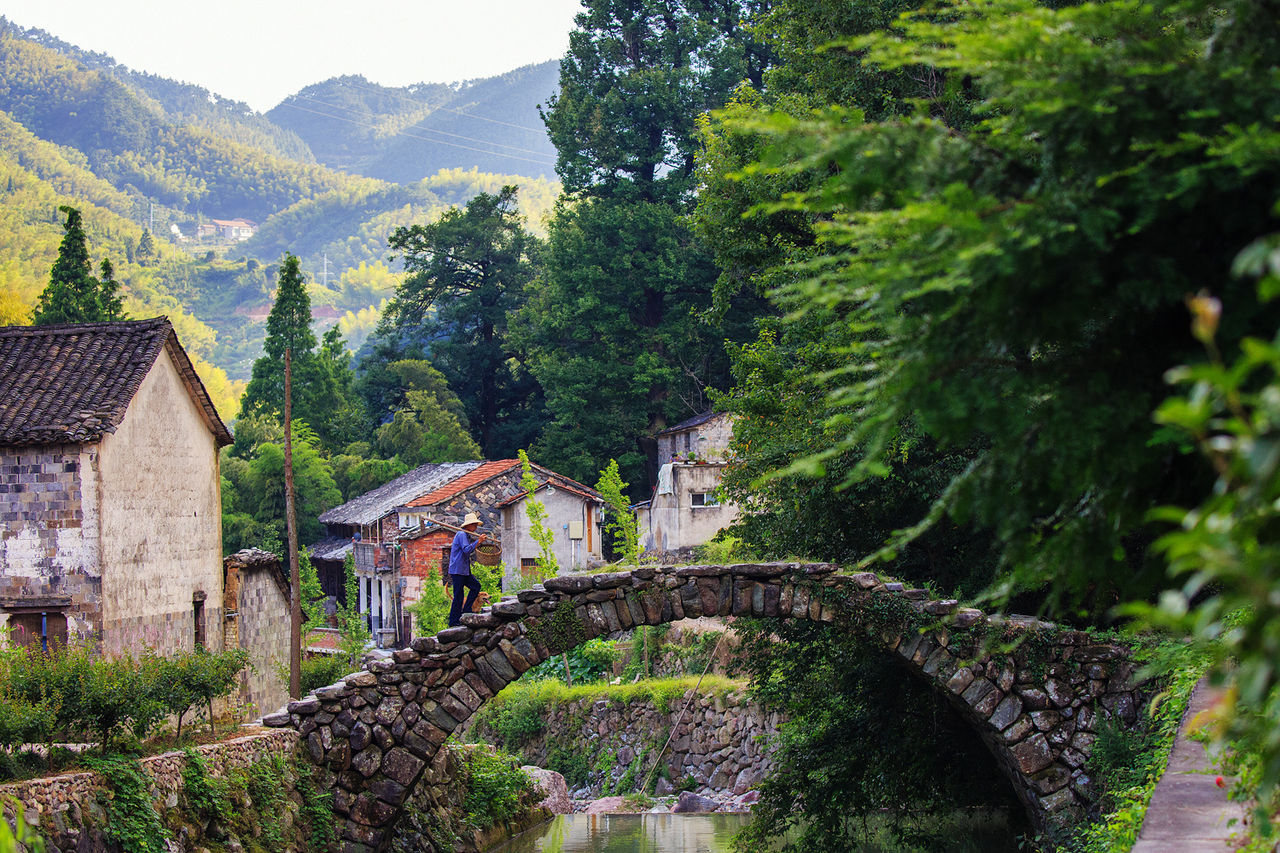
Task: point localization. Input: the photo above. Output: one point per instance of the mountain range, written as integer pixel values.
(327, 175)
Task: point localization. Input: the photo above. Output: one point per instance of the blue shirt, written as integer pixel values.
(460, 553)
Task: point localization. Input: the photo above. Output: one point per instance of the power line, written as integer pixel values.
(396, 94)
(544, 162)
(419, 126)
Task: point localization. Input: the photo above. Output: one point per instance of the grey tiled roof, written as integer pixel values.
(372, 506)
(330, 549)
(696, 420)
(72, 383)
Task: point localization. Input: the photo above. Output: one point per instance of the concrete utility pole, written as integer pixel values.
(324, 274)
(291, 525)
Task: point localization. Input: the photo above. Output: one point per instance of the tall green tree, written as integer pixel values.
(466, 273)
(617, 331)
(73, 295)
(322, 382)
(1014, 282)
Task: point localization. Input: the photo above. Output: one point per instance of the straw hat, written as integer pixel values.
(471, 518)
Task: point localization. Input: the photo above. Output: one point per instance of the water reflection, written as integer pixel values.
(630, 833)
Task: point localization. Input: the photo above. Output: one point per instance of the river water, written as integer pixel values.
(976, 832)
(630, 833)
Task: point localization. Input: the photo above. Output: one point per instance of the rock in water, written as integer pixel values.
(690, 802)
(555, 791)
(605, 805)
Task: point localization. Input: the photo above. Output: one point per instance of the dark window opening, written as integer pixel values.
(198, 614)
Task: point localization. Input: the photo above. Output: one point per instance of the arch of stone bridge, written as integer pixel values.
(1036, 709)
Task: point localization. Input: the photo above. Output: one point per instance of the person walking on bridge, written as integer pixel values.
(461, 554)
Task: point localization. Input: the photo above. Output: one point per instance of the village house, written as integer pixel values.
(110, 505)
(398, 547)
(686, 510)
(232, 230)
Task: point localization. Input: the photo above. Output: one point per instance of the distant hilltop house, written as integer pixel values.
(685, 509)
(110, 509)
(233, 230)
(398, 546)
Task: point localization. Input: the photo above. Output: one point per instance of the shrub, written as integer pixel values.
(322, 670)
(132, 822)
(588, 662)
(513, 717)
(494, 785)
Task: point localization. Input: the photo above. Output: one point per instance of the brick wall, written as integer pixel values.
(422, 556)
(49, 532)
(263, 626)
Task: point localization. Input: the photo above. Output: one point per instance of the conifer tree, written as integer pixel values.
(288, 327)
(321, 387)
(73, 295)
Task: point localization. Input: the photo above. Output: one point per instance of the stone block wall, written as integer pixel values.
(49, 530)
(720, 743)
(67, 809)
(263, 627)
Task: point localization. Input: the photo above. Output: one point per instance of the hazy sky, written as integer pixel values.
(260, 52)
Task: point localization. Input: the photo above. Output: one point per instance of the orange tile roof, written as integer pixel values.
(469, 480)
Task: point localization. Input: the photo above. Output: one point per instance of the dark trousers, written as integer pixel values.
(461, 582)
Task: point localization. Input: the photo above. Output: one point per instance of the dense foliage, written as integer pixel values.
(984, 231)
(859, 738)
(74, 694)
(467, 272)
(616, 328)
(1019, 281)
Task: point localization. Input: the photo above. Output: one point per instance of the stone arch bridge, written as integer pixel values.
(1036, 707)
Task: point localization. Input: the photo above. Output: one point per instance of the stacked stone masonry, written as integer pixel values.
(717, 742)
(1037, 708)
(66, 809)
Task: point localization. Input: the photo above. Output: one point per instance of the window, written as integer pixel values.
(197, 607)
(44, 628)
(705, 499)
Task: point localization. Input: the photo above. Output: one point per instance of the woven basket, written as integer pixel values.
(488, 553)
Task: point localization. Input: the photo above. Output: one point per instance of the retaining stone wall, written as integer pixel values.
(432, 821)
(718, 744)
(65, 809)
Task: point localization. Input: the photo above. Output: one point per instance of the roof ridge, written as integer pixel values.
(79, 328)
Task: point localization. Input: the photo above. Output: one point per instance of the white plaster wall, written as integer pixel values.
(673, 522)
(161, 520)
(562, 508)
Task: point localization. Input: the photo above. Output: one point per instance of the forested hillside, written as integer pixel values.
(133, 150)
(405, 134)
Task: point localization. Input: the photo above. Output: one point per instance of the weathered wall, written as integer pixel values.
(264, 633)
(708, 440)
(49, 532)
(718, 744)
(67, 811)
(562, 507)
(673, 522)
(161, 520)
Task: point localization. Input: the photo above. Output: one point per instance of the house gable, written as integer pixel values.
(72, 383)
